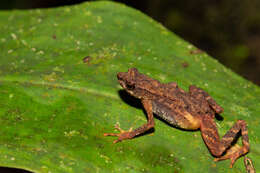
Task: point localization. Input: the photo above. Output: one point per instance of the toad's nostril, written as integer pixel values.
(119, 75)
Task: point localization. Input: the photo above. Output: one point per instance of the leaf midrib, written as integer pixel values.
(92, 91)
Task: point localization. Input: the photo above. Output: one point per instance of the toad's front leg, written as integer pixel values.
(132, 133)
(217, 147)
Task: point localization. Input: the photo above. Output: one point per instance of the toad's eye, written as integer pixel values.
(130, 87)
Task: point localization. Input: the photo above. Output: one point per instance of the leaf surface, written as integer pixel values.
(59, 92)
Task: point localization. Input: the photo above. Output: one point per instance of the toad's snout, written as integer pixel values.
(120, 75)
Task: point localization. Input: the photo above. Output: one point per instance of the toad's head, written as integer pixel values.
(128, 79)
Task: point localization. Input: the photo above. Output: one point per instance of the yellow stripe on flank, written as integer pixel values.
(228, 139)
(194, 123)
(244, 132)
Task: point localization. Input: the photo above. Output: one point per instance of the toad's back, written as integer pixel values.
(182, 110)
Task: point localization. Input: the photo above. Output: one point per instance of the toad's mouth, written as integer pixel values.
(122, 83)
(121, 76)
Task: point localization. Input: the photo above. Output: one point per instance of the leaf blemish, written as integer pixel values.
(3, 40)
(241, 110)
(162, 77)
(88, 13)
(71, 133)
(32, 28)
(40, 52)
(189, 46)
(178, 42)
(11, 96)
(107, 159)
(99, 19)
(24, 42)
(10, 51)
(13, 36)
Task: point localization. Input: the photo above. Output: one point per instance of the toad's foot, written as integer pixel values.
(249, 165)
(122, 135)
(233, 154)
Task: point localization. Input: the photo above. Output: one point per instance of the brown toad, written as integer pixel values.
(191, 110)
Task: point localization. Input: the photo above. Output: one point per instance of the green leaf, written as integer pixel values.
(54, 107)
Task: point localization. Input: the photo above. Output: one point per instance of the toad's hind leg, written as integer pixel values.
(217, 147)
(198, 92)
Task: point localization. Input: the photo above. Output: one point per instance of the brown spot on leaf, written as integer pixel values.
(86, 59)
(185, 64)
(54, 36)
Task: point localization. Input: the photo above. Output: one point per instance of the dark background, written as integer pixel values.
(228, 30)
